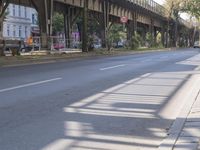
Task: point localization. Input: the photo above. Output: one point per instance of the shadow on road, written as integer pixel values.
(126, 115)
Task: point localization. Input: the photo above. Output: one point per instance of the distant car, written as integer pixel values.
(119, 45)
(97, 45)
(8, 52)
(28, 48)
(197, 44)
(59, 46)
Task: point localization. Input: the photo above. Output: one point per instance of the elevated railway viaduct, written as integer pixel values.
(143, 15)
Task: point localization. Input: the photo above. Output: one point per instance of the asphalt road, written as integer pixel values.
(107, 103)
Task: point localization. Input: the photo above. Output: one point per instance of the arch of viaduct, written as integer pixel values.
(142, 14)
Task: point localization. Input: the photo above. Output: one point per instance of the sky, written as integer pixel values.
(160, 1)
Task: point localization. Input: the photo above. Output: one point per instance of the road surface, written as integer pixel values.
(107, 103)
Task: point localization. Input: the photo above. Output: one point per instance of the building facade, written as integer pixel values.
(20, 22)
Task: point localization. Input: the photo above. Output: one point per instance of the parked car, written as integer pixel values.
(97, 45)
(28, 48)
(8, 52)
(58, 46)
(196, 44)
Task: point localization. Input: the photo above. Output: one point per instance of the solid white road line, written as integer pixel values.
(146, 75)
(112, 67)
(29, 84)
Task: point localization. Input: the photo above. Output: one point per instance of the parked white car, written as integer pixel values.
(196, 44)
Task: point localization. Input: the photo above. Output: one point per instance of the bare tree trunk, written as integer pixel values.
(3, 7)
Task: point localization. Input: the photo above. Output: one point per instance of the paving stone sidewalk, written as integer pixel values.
(189, 138)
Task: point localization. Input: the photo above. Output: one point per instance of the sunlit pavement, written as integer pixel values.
(189, 138)
(116, 103)
(184, 134)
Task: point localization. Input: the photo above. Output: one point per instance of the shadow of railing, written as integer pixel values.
(124, 116)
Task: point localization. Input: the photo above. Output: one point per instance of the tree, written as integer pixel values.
(193, 7)
(58, 23)
(115, 35)
(3, 14)
(173, 11)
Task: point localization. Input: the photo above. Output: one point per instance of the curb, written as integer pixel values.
(61, 59)
(190, 97)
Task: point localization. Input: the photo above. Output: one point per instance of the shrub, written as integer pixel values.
(135, 42)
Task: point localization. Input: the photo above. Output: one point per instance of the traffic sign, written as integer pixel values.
(124, 19)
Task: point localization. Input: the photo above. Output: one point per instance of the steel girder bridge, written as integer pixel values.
(146, 15)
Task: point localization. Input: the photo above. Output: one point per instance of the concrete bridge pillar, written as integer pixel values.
(155, 34)
(130, 30)
(70, 17)
(106, 17)
(132, 27)
(152, 32)
(175, 34)
(45, 14)
(68, 27)
(85, 27)
(163, 37)
(171, 37)
(144, 33)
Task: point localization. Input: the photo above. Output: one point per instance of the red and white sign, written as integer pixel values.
(124, 19)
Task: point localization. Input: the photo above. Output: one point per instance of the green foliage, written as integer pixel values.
(193, 7)
(176, 6)
(158, 43)
(173, 8)
(135, 41)
(58, 22)
(150, 40)
(114, 35)
(109, 40)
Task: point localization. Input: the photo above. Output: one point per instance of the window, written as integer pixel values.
(25, 12)
(26, 31)
(8, 10)
(8, 30)
(19, 10)
(14, 30)
(33, 18)
(14, 10)
(20, 31)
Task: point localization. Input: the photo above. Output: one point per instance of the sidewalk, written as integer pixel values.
(184, 134)
(190, 135)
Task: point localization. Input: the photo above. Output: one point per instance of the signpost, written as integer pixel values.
(124, 20)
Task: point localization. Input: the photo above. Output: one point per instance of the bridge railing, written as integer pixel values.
(150, 5)
(158, 9)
